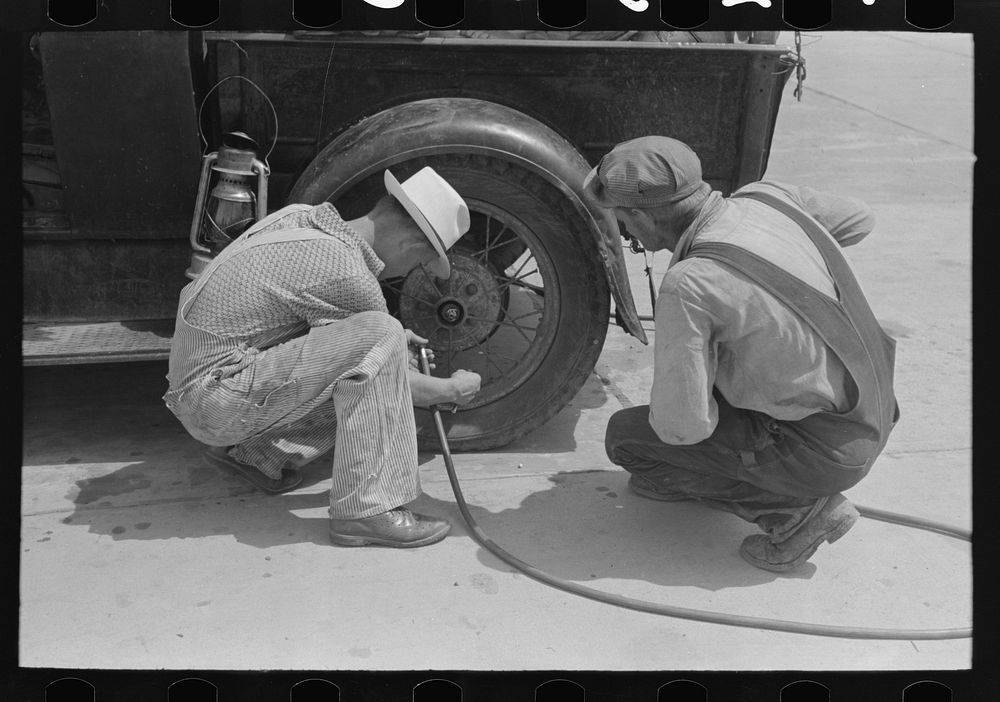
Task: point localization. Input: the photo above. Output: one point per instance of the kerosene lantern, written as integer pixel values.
(232, 195)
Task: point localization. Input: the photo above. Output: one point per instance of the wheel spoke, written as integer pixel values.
(537, 289)
(399, 290)
(486, 250)
(493, 242)
(432, 280)
(505, 323)
(517, 274)
(488, 356)
(533, 313)
(519, 281)
(509, 241)
(451, 343)
(483, 253)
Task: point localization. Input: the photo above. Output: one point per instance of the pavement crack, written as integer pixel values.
(907, 452)
(929, 47)
(888, 119)
(147, 503)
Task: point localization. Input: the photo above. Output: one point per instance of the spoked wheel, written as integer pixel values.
(493, 315)
(526, 306)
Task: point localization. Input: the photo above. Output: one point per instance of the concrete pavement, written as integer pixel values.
(137, 555)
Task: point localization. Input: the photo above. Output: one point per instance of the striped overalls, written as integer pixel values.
(342, 384)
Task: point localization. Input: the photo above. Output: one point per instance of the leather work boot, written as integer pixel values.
(398, 528)
(644, 487)
(830, 518)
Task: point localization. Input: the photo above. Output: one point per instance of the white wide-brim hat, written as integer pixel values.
(438, 210)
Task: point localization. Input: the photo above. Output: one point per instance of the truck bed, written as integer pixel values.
(105, 236)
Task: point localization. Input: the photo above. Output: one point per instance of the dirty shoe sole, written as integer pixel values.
(652, 494)
(350, 540)
(757, 545)
(290, 479)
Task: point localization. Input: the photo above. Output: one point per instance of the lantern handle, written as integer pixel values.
(259, 90)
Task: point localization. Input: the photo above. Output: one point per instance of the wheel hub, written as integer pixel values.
(456, 314)
(451, 312)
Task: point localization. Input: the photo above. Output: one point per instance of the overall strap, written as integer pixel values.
(825, 316)
(255, 239)
(848, 288)
(275, 216)
(847, 326)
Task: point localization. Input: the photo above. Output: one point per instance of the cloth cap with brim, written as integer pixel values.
(438, 210)
(645, 172)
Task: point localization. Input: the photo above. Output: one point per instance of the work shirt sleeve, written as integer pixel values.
(681, 408)
(847, 219)
(338, 298)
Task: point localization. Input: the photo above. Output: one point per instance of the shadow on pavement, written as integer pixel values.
(141, 477)
(587, 527)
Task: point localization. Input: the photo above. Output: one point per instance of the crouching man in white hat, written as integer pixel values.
(284, 348)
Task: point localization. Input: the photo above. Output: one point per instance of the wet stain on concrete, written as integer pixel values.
(120, 483)
(601, 488)
(67, 520)
(203, 603)
(142, 525)
(612, 494)
(199, 475)
(360, 652)
(485, 583)
(72, 459)
(469, 624)
(267, 575)
(118, 530)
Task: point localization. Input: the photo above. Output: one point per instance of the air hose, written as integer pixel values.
(697, 614)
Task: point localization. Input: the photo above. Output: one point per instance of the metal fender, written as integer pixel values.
(465, 125)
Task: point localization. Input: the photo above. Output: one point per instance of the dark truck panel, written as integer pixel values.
(127, 156)
(720, 99)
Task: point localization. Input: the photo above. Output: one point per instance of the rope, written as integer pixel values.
(800, 67)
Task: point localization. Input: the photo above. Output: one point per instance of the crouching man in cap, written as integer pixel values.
(772, 382)
(284, 349)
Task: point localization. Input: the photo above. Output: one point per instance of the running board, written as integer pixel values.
(65, 343)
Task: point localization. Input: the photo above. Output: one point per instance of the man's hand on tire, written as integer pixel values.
(466, 385)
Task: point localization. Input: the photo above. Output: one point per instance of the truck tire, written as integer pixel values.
(527, 305)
